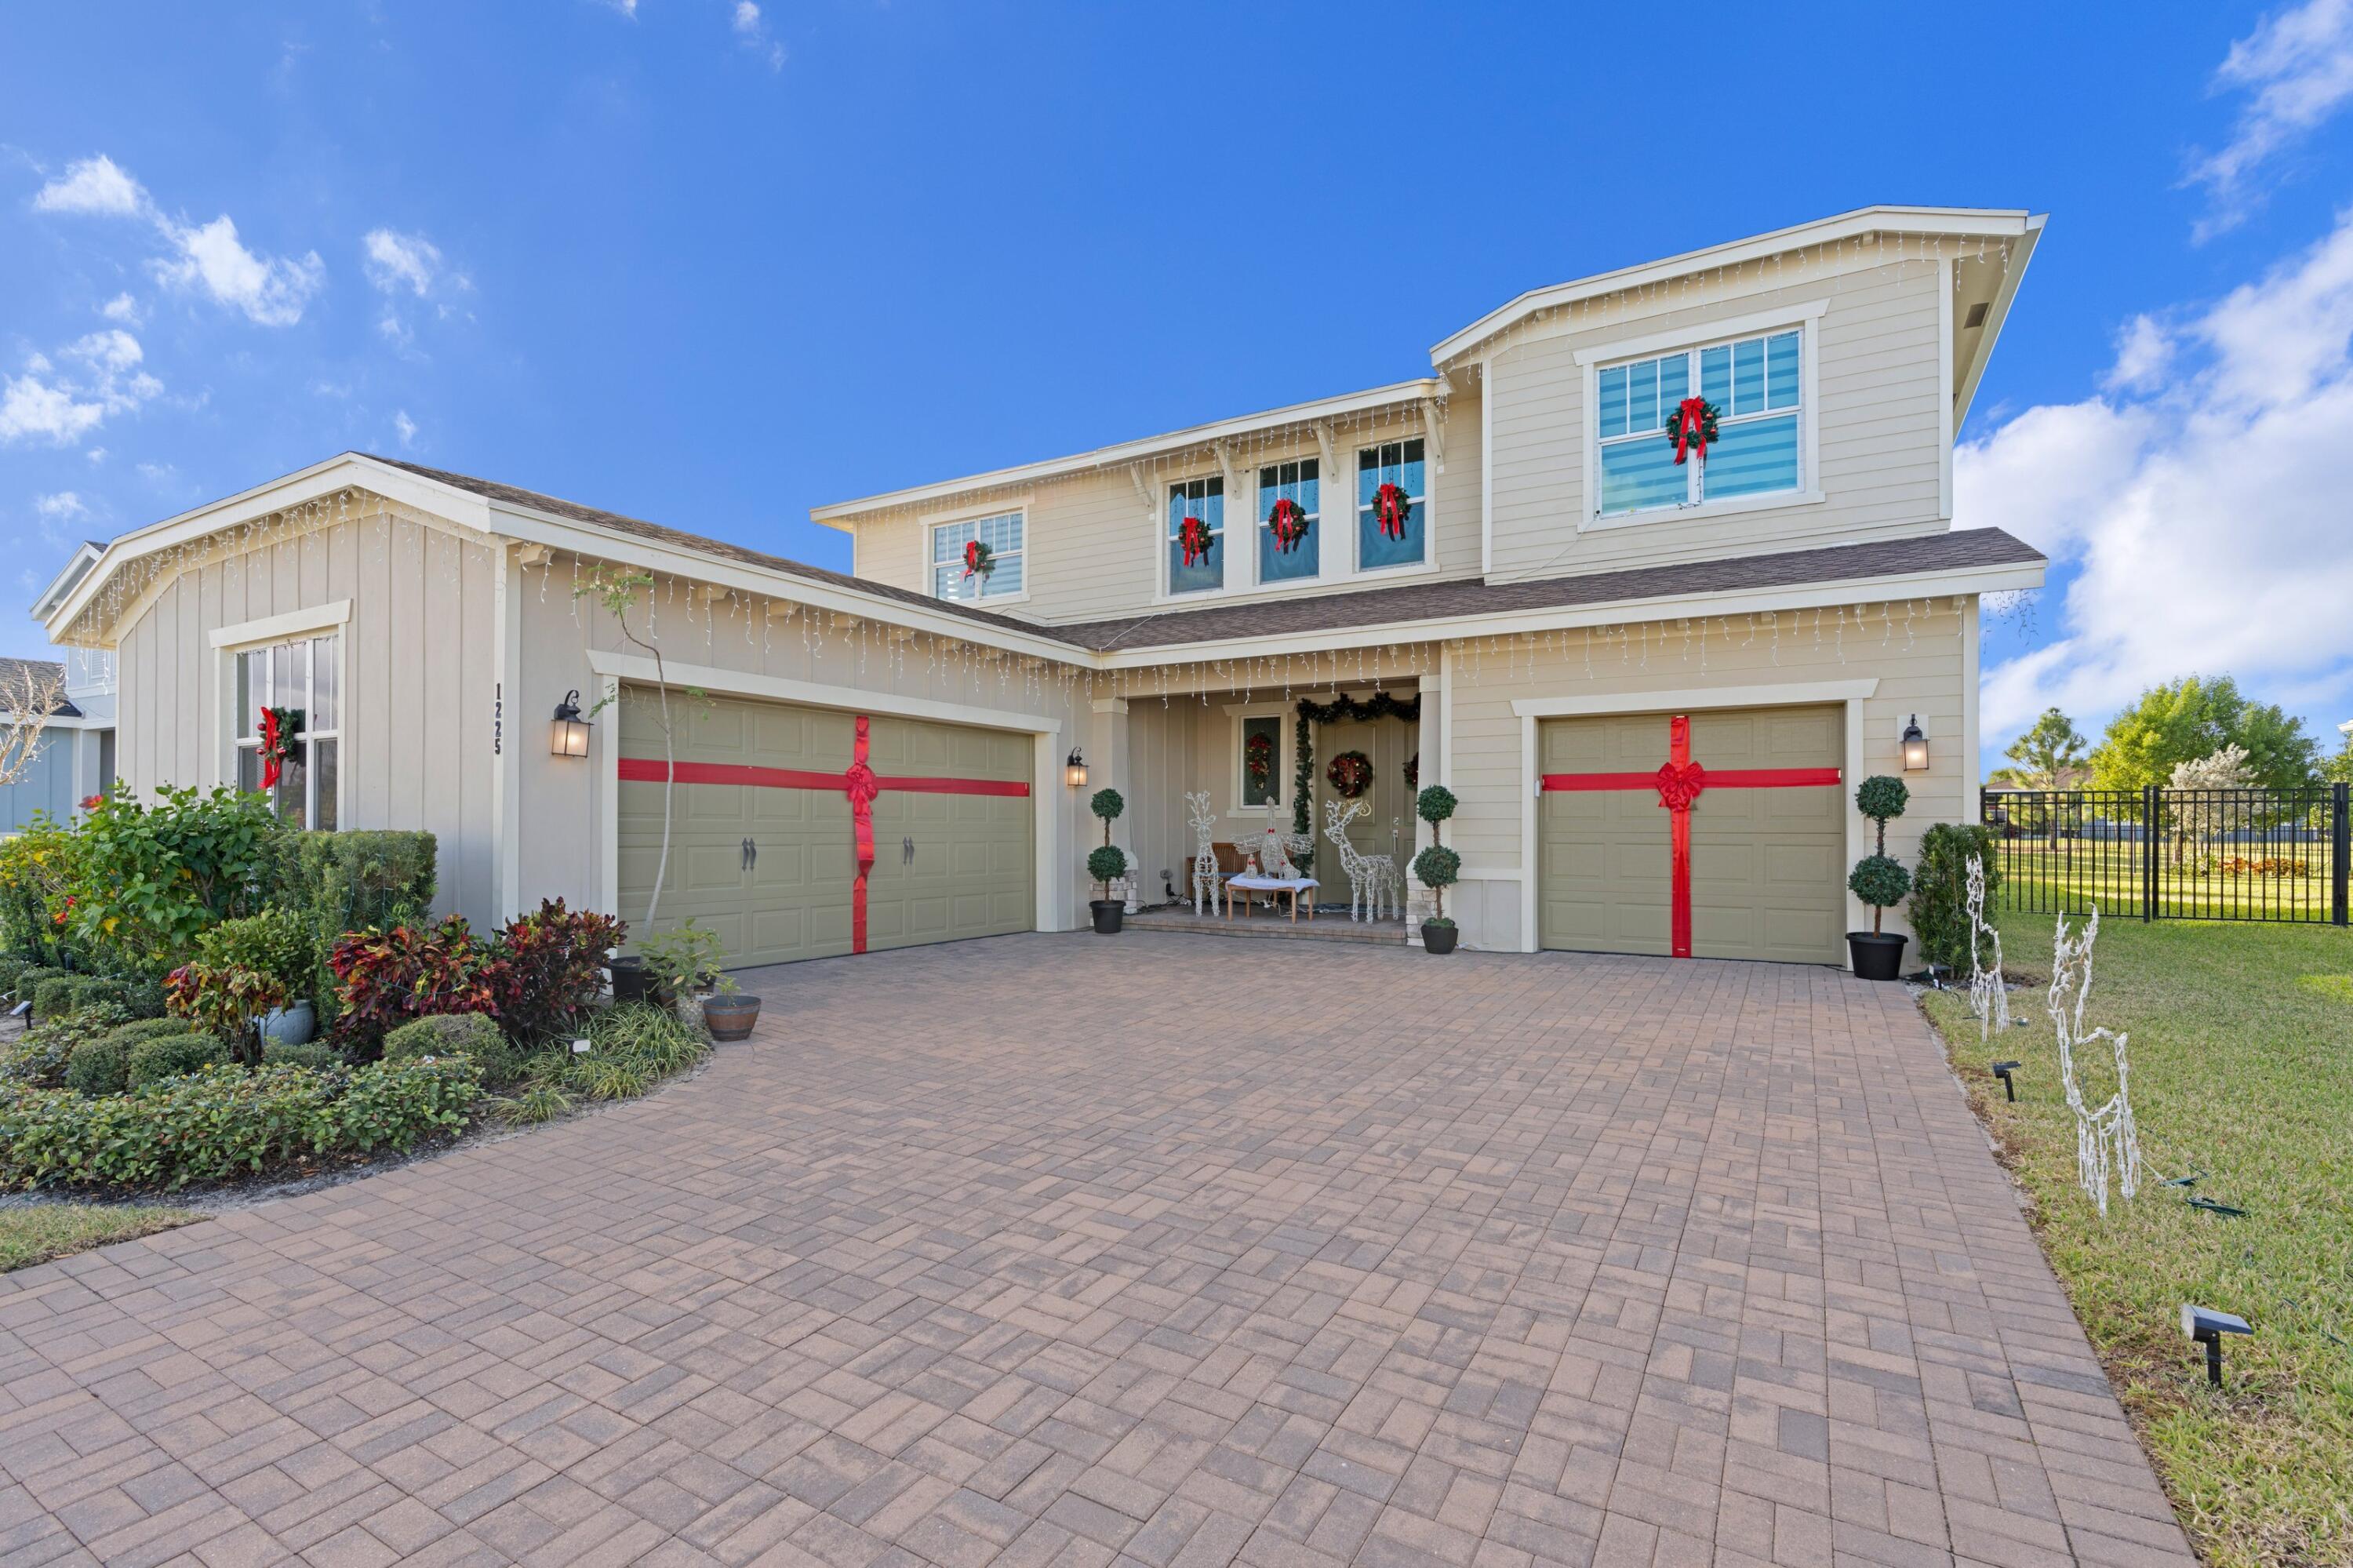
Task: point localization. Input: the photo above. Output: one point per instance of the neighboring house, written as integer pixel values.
(75, 758)
(1508, 549)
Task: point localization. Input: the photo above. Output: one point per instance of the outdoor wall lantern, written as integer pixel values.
(1915, 746)
(567, 735)
(1074, 769)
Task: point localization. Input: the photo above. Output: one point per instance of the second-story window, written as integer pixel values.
(1754, 384)
(998, 570)
(1290, 520)
(1197, 534)
(1391, 506)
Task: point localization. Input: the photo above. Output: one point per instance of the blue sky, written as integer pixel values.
(712, 263)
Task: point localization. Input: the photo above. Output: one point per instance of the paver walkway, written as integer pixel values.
(1166, 1250)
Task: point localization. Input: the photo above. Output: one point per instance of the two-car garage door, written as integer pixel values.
(763, 837)
(1765, 876)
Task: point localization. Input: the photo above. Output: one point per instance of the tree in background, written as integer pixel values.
(29, 693)
(2193, 719)
(2048, 757)
(2338, 768)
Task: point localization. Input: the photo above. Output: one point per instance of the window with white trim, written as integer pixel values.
(954, 572)
(1260, 757)
(1754, 385)
(1196, 564)
(1390, 527)
(1300, 483)
(302, 681)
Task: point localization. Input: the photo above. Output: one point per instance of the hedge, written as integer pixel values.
(1940, 911)
(171, 1056)
(475, 1035)
(65, 993)
(225, 1122)
(353, 880)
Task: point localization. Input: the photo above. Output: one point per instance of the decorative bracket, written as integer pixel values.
(1432, 432)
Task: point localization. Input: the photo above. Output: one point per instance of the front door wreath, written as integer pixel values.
(1350, 774)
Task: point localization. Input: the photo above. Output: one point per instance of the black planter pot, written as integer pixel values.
(1875, 957)
(631, 980)
(1438, 940)
(1107, 913)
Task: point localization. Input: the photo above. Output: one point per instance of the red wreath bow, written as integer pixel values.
(1193, 535)
(1694, 426)
(1389, 505)
(270, 746)
(977, 559)
(1289, 520)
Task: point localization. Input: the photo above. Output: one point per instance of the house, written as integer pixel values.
(74, 758)
(1650, 665)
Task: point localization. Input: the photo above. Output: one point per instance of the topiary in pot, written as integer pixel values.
(1106, 804)
(1105, 865)
(1439, 868)
(1879, 880)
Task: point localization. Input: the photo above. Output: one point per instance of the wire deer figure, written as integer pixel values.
(1370, 876)
(1205, 853)
(1988, 996)
(2105, 1139)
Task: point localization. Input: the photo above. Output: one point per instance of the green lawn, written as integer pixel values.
(35, 1233)
(2278, 880)
(2242, 1057)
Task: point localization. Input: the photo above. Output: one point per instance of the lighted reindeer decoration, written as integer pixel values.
(1274, 857)
(1370, 876)
(1205, 853)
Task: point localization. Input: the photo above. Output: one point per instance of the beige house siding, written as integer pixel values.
(1922, 670)
(417, 667)
(1878, 407)
(1094, 548)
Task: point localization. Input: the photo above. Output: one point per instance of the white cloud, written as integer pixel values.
(271, 291)
(124, 309)
(2206, 517)
(753, 33)
(44, 404)
(95, 186)
(33, 409)
(2144, 353)
(396, 261)
(62, 507)
(405, 426)
(2298, 65)
(96, 454)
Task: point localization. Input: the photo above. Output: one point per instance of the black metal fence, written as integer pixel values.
(2186, 855)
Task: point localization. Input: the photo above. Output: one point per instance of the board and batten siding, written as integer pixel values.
(418, 668)
(1094, 553)
(1878, 397)
(561, 825)
(1920, 670)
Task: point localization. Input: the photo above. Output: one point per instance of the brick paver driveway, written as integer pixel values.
(1168, 1249)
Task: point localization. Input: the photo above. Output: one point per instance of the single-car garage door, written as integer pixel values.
(1761, 796)
(764, 840)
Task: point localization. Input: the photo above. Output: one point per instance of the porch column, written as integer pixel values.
(1108, 764)
(1427, 743)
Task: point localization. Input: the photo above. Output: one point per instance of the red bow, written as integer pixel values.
(1193, 535)
(270, 748)
(1679, 784)
(1289, 520)
(976, 558)
(1690, 426)
(1390, 504)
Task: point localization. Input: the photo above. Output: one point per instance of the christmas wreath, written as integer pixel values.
(1350, 774)
(1391, 506)
(1413, 771)
(1695, 425)
(1194, 538)
(281, 732)
(1289, 520)
(1258, 760)
(979, 560)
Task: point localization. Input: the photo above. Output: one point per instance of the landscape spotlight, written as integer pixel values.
(2207, 1326)
(2002, 1070)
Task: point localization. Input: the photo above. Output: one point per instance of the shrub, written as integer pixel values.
(171, 1056)
(227, 1001)
(359, 882)
(539, 1103)
(1105, 864)
(1940, 909)
(685, 961)
(11, 966)
(388, 977)
(100, 1066)
(1878, 879)
(318, 1058)
(551, 969)
(474, 1034)
(651, 1034)
(276, 942)
(1438, 868)
(222, 1122)
(40, 869)
(28, 980)
(1435, 804)
(151, 879)
(140, 1030)
(67, 993)
(39, 1059)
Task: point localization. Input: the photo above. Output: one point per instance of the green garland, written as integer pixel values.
(1344, 707)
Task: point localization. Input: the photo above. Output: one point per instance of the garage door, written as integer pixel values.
(1763, 875)
(763, 843)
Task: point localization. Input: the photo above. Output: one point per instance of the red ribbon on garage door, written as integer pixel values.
(1679, 781)
(859, 781)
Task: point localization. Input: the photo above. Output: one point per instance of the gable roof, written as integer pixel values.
(14, 673)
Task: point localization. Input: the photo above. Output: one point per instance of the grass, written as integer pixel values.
(2242, 1058)
(35, 1233)
(2281, 879)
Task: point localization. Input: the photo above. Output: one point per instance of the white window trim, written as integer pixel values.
(1286, 756)
(1357, 571)
(1163, 540)
(229, 643)
(1258, 506)
(934, 521)
(1806, 317)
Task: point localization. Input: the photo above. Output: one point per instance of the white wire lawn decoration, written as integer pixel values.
(1371, 877)
(2105, 1139)
(1988, 996)
(1273, 859)
(1205, 853)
